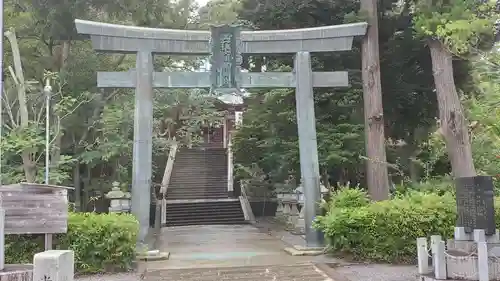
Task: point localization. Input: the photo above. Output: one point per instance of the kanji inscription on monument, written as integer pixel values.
(225, 58)
(475, 210)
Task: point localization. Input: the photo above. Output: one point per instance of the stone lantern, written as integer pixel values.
(126, 202)
(300, 225)
(120, 201)
(299, 191)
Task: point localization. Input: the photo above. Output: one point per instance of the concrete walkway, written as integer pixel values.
(248, 253)
(221, 246)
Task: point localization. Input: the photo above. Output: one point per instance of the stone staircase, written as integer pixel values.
(299, 272)
(205, 213)
(199, 174)
(197, 194)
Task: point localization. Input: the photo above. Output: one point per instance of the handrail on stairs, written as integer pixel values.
(245, 204)
(230, 167)
(166, 179)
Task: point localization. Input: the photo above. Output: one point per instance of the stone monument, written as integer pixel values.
(474, 252)
(225, 45)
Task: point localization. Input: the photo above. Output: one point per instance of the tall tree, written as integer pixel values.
(409, 110)
(376, 166)
(219, 12)
(451, 28)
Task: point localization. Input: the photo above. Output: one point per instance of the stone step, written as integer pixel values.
(205, 205)
(228, 211)
(201, 194)
(195, 196)
(202, 213)
(237, 216)
(212, 221)
(199, 183)
(202, 157)
(205, 208)
(265, 273)
(194, 190)
(203, 160)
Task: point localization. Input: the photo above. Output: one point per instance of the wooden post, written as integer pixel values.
(48, 241)
(308, 147)
(143, 146)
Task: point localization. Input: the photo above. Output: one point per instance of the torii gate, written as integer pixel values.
(225, 74)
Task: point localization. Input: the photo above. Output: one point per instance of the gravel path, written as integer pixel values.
(110, 277)
(378, 272)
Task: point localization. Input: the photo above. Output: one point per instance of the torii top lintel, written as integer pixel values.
(131, 39)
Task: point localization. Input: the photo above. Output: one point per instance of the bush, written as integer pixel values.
(387, 231)
(101, 242)
(347, 197)
(439, 186)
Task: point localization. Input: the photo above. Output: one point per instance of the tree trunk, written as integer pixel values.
(413, 168)
(453, 123)
(62, 55)
(78, 187)
(376, 168)
(29, 164)
(325, 177)
(86, 188)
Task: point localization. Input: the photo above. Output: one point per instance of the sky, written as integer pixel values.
(201, 3)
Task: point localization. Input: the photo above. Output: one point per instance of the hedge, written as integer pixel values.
(101, 242)
(386, 231)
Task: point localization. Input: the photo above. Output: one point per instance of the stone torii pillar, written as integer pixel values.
(147, 41)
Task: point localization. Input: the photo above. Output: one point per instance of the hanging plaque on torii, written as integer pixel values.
(225, 59)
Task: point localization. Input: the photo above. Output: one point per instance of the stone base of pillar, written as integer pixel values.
(304, 251)
(17, 272)
(154, 255)
(279, 210)
(292, 220)
(300, 227)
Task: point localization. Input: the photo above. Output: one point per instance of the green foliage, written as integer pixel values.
(387, 230)
(439, 186)
(101, 243)
(346, 197)
(460, 25)
(268, 135)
